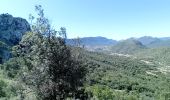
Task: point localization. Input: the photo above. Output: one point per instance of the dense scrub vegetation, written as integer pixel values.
(124, 77)
(158, 55)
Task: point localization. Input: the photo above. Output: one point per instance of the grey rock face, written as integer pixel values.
(11, 31)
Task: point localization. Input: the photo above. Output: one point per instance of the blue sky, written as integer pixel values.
(114, 19)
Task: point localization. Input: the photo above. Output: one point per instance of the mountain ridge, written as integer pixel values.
(100, 43)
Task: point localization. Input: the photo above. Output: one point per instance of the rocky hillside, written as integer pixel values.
(11, 31)
(128, 46)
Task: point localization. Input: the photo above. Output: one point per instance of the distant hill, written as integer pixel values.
(160, 43)
(93, 41)
(165, 38)
(146, 40)
(103, 44)
(153, 42)
(128, 46)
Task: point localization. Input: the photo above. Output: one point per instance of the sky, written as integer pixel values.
(114, 19)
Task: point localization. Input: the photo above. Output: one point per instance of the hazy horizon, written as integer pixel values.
(113, 19)
(120, 39)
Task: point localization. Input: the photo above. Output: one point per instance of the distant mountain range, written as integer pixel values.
(148, 41)
(152, 42)
(93, 41)
(131, 44)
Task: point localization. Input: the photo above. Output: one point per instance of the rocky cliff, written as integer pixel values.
(11, 31)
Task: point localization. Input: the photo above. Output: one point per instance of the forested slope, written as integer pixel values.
(125, 77)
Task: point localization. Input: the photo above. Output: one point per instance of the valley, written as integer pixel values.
(137, 77)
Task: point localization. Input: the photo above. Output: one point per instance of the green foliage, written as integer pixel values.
(156, 55)
(12, 67)
(3, 49)
(48, 67)
(2, 86)
(7, 88)
(127, 74)
(101, 92)
(43, 66)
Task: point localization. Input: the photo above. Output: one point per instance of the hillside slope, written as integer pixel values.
(160, 43)
(153, 42)
(125, 77)
(128, 46)
(159, 55)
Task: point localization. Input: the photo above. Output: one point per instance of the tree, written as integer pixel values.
(77, 42)
(63, 33)
(50, 69)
